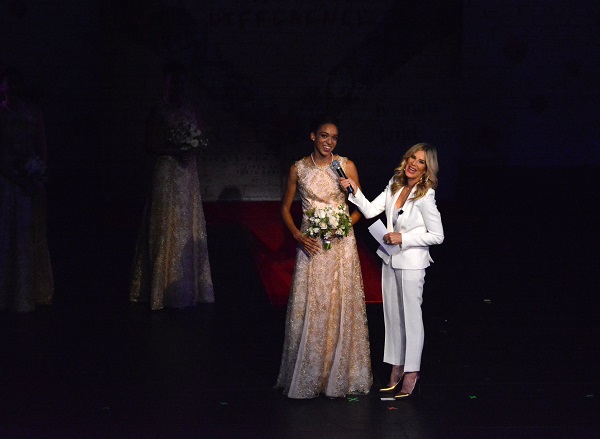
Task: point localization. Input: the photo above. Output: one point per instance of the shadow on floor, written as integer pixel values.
(511, 344)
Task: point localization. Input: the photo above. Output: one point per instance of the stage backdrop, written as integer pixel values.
(259, 70)
(491, 84)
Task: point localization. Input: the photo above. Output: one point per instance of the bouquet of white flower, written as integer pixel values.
(328, 223)
(186, 134)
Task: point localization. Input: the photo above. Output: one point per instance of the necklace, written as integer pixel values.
(320, 167)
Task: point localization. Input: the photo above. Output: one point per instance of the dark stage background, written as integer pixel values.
(504, 89)
(507, 90)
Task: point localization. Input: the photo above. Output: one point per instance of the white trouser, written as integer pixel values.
(404, 332)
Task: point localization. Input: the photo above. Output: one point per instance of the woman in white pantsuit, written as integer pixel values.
(413, 224)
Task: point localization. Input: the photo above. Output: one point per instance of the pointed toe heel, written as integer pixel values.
(393, 388)
(409, 389)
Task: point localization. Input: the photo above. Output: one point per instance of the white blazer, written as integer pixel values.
(420, 225)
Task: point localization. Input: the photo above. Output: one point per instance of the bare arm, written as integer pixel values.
(201, 122)
(310, 246)
(352, 174)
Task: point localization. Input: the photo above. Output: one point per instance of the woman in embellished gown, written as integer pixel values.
(171, 265)
(326, 347)
(25, 271)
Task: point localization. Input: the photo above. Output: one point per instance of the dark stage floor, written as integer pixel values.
(511, 341)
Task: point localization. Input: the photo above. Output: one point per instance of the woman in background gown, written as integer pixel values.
(26, 278)
(171, 265)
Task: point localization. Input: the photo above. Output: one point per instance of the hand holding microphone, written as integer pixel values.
(338, 168)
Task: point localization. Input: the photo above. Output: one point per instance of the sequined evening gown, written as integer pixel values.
(25, 271)
(326, 345)
(171, 266)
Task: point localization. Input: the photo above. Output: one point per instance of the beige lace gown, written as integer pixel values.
(26, 277)
(171, 266)
(326, 346)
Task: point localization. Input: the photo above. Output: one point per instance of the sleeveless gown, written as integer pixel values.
(171, 266)
(26, 277)
(326, 345)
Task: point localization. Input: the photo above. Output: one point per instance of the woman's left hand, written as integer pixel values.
(393, 238)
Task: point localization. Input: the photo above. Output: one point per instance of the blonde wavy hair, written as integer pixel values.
(427, 180)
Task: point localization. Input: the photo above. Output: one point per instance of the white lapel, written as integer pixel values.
(390, 210)
(406, 209)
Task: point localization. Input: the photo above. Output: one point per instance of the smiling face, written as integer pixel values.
(325, 139)
(416, 166)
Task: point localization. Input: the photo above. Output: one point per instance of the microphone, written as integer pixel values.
(338, 168)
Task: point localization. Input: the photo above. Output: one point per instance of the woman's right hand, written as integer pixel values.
(310, 246)
(346, 182)
(186, 157)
